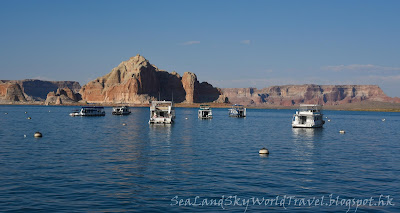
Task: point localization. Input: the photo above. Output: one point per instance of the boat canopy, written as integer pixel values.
(203, 106)
(238, 106)
(310, 108)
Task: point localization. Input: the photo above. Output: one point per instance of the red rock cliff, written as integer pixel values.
(137, 81)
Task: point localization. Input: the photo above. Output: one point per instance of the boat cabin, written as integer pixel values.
(162, 112)
(308, 116)
(205, 112)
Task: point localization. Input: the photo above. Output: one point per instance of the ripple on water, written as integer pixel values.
(97, 164)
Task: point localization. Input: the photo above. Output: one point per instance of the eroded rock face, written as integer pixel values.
(11, 92)
(189, 81)
(32, 90)
(38, 89)
(62, 96)
(289, 95)
(137, 81)
(132, 81)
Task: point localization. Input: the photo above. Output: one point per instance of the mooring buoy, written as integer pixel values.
(37, 135)
(263, 151)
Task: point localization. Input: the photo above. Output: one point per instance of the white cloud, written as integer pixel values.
(361, 68)
(245, 41)
(190, 42)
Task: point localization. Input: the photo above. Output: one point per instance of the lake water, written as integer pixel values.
(96, 164)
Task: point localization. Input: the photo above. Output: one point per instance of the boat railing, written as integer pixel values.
(237, 106)
(204, 107)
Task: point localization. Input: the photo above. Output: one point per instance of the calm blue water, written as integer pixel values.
(95, 164)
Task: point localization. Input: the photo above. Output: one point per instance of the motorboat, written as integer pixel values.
(89, 111)
(205, 112)
(162, 112)
(121, 110)
(237, 111)
(308, 116)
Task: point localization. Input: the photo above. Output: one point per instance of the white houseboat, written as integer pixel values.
(308, 116)
(205, 112)
(89, 111)
(237, 111)
(121, 110)
(162, 112)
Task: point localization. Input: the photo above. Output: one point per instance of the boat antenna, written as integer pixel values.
(172, 96)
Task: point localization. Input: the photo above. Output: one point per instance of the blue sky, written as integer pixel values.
(226, 43)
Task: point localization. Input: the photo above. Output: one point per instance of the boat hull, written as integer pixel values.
(121, 113)
(306, 126)
(161, 121)
(84, 114)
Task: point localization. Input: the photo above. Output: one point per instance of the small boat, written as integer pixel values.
(237, 111)
(205, 112)
(162, 112)
(121, 110)
(308, 116)
(89, 111)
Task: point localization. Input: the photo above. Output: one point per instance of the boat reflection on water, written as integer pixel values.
(160, 132)
(306, 133)
(305, 140)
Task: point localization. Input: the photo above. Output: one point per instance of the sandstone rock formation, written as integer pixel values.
(39, 89)
(62, 96)
(189, 81)
(289, 95)
(11, 92)
(32, 90)
(137, 81)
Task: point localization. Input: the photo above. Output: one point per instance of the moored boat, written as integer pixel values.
(162, 112)
(121, 110)
(308, 116)
(89, 111)
(237, 111)
(205, 112)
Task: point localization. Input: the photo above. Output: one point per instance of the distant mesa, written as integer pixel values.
(289, 95)
(32, 90)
